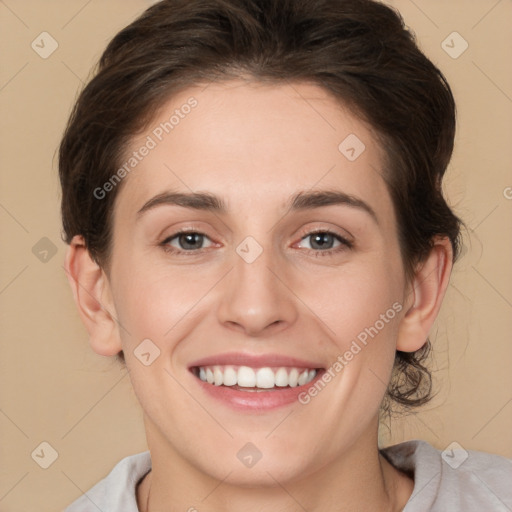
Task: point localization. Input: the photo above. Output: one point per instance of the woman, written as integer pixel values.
(252, 200)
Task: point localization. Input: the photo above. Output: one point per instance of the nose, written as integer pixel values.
(257, 297)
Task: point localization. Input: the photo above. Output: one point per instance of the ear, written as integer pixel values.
(425, 295)
(91, 291)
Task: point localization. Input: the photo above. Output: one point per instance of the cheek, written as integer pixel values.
(152, 300)
(366, 316)
(362, 308)
(356, 302)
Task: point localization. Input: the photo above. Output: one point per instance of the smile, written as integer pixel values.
(255, 383)
(246, 378)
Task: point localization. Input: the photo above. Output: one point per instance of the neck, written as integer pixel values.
(359, 479)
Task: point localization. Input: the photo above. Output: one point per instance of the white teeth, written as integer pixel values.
(264, 378)
(293, 377)
(217, 375)
(230, 376)
(303, 377)
(281, 378)
(246, 377)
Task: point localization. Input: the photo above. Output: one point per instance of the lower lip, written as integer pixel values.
(262, 400)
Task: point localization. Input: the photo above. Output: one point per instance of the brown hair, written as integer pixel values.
(358, 50)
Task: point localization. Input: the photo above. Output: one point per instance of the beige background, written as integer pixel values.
(55, 389)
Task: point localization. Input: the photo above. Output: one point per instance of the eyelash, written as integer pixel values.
(344, 243)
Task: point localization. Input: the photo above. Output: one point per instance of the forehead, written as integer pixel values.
(248, 142)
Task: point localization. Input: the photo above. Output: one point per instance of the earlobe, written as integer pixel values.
(425, 296)
(93, 298)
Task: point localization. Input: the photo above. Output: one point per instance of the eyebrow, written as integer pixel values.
(303, 200)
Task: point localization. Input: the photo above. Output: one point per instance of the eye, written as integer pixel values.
(185, 241)
(324, 242)
(321, 242)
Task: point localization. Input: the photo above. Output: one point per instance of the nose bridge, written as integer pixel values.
(255, 296)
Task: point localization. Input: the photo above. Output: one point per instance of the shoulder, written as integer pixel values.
(116, 492)
(454, 479)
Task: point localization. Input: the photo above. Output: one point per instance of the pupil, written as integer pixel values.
(187, 240)
(321, 239)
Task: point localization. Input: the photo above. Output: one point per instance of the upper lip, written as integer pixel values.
(254, 360)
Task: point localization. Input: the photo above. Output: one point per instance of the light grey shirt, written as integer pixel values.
(450, 481)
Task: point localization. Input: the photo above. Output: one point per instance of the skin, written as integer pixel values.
(255, 146)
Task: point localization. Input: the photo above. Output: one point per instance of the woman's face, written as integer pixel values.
(295, 267)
